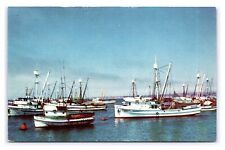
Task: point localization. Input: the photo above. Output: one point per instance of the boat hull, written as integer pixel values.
(42, 122)
(14, 111)
(122, 112)
(208, 108)
(85, 108)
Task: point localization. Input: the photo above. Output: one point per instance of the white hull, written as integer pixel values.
(129, 112)
(208, 108)
(41, 121)
(85, 108)
(109, 101)
(15, 111)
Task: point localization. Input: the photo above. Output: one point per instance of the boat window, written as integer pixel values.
(54, 111)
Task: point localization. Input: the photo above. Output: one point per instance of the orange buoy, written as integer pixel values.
(23, 126)
(104, 118)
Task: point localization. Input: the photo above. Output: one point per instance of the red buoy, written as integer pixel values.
(104, 118)
(23, 126)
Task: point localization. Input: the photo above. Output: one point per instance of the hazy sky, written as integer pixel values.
(111, 46)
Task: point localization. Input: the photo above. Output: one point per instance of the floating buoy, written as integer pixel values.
(104, 118)
(23, 126)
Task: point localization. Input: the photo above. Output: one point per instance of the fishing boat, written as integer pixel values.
(29, 105)
(58, 116)
(24, 107)
(134, 107)
(83, 104)
(141, 107)
(103, 101)
(208, 103)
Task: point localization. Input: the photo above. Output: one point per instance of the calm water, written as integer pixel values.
(197, 128)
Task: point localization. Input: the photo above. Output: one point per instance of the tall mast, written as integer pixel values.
(62, 88)
(64, 78)
(71, 90)
(183, 85)
(156, 85)
(166, 80)
(48, 91)
(53, 90)
(186, 90)
(80, 82)
(134, 89)
(207, 86)
(201, 88)
(26, 92)
(197, 85)
(43, 89)
(210, 87)
(36, 74)
(85, 88)
(31, 90)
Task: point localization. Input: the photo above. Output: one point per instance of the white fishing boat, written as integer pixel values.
(29, 105)
(146, 107)
(142, 107)
(83, 104)
(24, 107)
(57, 116)
(208, 103)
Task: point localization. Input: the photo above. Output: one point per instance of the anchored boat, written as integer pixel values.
(24, 107)
(145, 107)
(55, 116)
(156, 106)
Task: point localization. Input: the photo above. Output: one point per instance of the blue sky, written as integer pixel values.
(111, 46)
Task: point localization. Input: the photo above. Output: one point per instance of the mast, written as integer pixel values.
(64, 79)
(197, 89)
(210, 87)
(31, 90)
(186, 90)
(166, 80)
(48, 92)
(36, 74)
(134, 89)
(183, 85)
(26, 92)
(156, 85)
(62, 88)
(85, 88)
(201, 88)
(70, 94)
(53, 90)
(80, 82)
(207, 87)
(43, 89)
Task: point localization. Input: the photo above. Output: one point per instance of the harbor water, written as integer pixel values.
(199, 128)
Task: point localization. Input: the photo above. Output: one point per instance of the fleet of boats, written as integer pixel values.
(70, 111)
